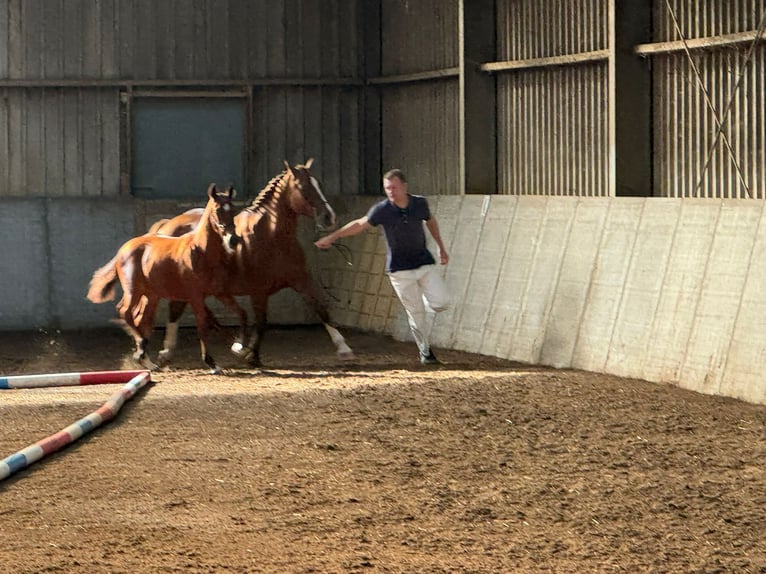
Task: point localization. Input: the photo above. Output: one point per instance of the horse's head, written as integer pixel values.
(309, 199)
(223, 214)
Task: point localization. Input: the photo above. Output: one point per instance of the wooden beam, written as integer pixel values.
(563, 60)
(417, 77)
(698, 43)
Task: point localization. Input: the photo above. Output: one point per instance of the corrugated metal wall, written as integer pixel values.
(552, 119)
(66, 65)
(419, 47)
(719, 81)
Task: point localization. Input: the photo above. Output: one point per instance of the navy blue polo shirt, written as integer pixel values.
(404, 232)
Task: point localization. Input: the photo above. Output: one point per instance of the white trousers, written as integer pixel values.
(422, 291)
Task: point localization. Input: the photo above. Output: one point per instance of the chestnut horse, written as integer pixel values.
(187, 268)
(269, 257)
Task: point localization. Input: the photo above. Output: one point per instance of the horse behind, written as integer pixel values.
(186, 268)
(269, 257)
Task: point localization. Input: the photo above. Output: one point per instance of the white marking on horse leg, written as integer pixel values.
(171, 340)
(344, 351)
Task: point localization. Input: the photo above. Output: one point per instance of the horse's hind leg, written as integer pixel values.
(342, 349)
(253, 351)
(144, 330)
(175, 310)
(133, 311)
(201, 314)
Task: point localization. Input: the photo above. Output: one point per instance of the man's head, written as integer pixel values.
(395, 185)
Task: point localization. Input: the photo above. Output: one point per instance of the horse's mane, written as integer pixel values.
(268, 192)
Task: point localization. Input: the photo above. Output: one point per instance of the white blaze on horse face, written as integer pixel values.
(315, 183)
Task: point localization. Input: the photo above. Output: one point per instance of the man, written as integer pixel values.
(411, 268)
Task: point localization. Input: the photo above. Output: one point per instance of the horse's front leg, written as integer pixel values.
(201, 315)
(238, 347)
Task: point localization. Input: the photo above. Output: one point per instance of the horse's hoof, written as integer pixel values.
(215, 371)
(254, 362)
(239, 349)
(150, 366)
(346, 355)
(163, 359)
(242, 352)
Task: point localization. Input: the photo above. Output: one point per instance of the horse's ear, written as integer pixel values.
(309, 162)
(211, 190)
(287, 166)
(232, 193)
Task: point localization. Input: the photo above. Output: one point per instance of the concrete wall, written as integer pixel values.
(650, 288)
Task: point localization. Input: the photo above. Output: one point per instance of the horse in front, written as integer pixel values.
(187, 268)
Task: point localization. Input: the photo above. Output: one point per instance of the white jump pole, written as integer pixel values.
(106, 412)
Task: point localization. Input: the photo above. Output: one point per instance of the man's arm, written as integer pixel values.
(433, 227)
(351, 228)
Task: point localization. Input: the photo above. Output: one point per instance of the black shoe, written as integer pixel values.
(429, 359)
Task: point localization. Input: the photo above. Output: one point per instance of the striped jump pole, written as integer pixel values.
(67, 379)
(54, 442)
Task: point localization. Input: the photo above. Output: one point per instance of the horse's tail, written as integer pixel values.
(104, 281)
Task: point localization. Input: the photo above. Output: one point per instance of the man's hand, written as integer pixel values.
(324, 242)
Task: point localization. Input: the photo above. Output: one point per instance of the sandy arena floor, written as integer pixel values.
(311, 465)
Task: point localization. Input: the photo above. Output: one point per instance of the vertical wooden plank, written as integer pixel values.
(351, 43)
(74, 47)
(144, 60)
(90, 119)
(276, 112)
(165, 39)
(257, 39)
(331, 144)
(199, 45)
(330, 61)
(184, 39)
(350, 131)
(275, 49)
(369, 24)
(16, 103)
(296, 151)
(32, 38)
(259, 140)
(111, 142)
(126, 33)
(72, 143)
(219, 38)
(5, 150)
(34, 154)
(54, 142)
(109, 39)
(90, 26)
(4, 37)
(312, 125)
(312, 18)
(237, 39)
(53, 46)
(15, 40)
(293, 29)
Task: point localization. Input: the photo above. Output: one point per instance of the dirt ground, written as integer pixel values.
(310, 465)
